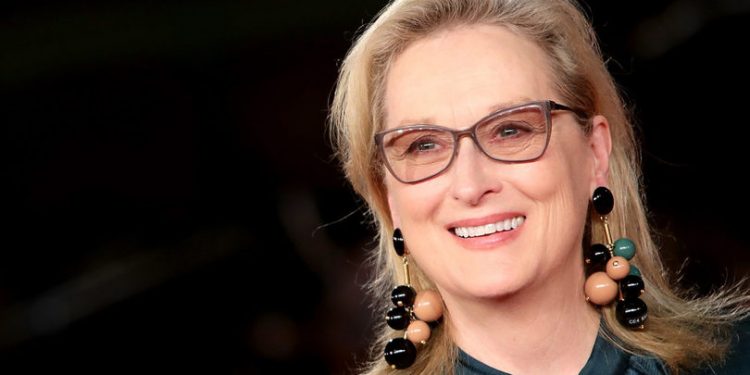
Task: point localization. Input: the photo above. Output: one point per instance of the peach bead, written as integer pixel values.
(428, 305)
(418, 332)
(600, 288)
(618, 267)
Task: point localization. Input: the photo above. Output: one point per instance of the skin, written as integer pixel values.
(515, 299)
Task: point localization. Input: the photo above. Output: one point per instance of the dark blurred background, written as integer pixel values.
(172, 205)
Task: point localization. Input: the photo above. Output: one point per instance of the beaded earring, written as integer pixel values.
(610, 273)
(414, 312)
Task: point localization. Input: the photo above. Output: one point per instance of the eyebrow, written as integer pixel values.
(493, 108)
(500, 106)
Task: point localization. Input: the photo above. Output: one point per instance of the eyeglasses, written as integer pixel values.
(516, 134)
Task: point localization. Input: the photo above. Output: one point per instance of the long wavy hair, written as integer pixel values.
(683, 330)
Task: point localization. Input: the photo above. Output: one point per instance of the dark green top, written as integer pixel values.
(608, 359)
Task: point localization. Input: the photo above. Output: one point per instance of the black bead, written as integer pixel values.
(398, 242)
(400, 353)
(631, 286)
(397, 318)
(603, 200)
(632, 312)
(403, 295)
(597, 255)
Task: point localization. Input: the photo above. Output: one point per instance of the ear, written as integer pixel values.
(395, 217)
(600, 141)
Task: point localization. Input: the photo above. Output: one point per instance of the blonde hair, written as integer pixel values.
(683, 330)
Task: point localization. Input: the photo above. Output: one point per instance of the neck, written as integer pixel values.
(544, 329)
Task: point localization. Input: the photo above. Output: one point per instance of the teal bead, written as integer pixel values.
(634, 270)
(624, 248)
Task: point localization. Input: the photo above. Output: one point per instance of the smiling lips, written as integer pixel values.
(483, 230)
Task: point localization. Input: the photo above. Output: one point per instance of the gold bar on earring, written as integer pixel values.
(406, 270)
(610, 243)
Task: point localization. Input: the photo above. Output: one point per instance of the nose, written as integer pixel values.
(474, 174)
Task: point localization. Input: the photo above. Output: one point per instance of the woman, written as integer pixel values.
(492, 147)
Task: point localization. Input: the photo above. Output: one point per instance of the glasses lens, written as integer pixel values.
(515, 135)
(518, 135)
(414, 154)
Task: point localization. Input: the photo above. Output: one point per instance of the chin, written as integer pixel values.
(492, 286)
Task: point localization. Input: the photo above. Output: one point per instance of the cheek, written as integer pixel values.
(412, 204)
(560, 181)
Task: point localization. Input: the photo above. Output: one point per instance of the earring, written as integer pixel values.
(610, 273)
(414, 312)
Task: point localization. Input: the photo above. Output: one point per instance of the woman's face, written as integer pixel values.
(454, 78)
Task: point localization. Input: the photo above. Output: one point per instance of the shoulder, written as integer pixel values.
(608, 358)
(642, 365)
(737, 360)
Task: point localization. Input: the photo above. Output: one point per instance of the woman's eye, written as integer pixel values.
(511, 130)
(422, 145)
(507, 132)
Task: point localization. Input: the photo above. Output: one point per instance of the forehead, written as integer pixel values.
(456, 76)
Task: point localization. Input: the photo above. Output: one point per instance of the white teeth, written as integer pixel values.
(484, 230)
